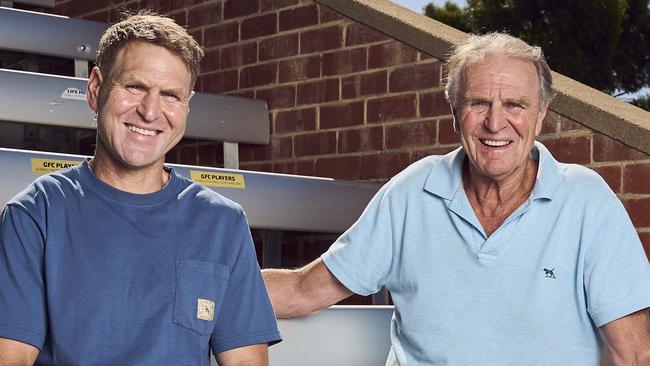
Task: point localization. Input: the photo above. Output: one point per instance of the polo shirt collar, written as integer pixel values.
(444, 179)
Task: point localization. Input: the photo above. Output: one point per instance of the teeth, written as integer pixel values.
(495, 143)
(142, 131)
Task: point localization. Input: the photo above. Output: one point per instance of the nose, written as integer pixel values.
(149, 107)
(495, 120)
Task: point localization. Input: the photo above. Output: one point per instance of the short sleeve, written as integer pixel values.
(246, 317)
(22, 289)
(617, 273)
(361, 258)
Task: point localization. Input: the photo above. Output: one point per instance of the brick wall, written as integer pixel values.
(346, 101)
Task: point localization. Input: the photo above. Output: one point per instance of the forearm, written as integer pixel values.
(628, 340)
(13, 353)
(286, 292)
(303, 291)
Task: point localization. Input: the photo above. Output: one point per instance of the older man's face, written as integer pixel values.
(500, 116)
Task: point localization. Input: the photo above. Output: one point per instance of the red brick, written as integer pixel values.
(280, 97)
(321, 39)
(391, 108)
(422, 153)
(278, 47)
(179, 18)
(276, 4)
(243, 54)
(341, 115)
(281, 147)
(446, 133)
(255, 152)
(434, 104)
(321, 91)
(416, 77)
(364, 84)
(159, 6)
(570, 149)
(358, 33)
(77, 8)
(347, 167)
(197, 34)
(361, 140)
(101, 16)
(639, 211)
(612, 175)
(318, 143)
(262, 25)
(383, 165)
(300, 68)
(220, 82)
(298, 17)
(344, 62)
(188, 155)
(258, 75)
(549, 124)
(200, 16)
(207, 155)
(119, 13)
(411, 134)
(263, 167)
(221, 34)
(636, 179)
(250, 94)
(240, 8)
(645, 240)
(425, 56)
(304, 167)
(211, 61)
(295, 120)
(569, 125)
(608, 149)
(328, 15)
(389, 54)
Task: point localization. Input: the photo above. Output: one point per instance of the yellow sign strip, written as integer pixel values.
(218, 179)
(44, 166)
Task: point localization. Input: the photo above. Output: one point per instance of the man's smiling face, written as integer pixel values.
(142, 106)
(500, 115)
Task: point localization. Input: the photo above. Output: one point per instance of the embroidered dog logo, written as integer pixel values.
(548, 273)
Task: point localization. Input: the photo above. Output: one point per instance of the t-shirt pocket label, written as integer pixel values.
(200, 287)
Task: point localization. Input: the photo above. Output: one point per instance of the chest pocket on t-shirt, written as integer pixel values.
(200, 287)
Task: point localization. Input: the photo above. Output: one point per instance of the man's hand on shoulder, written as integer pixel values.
(14, 353)
(255, 355)
(627, 340)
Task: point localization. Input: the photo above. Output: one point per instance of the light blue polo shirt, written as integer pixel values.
(566, 262)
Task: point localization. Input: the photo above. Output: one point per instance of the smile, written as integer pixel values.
(142, 131)
(495, 143)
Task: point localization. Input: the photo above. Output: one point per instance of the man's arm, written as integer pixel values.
(14, 353)
(627, 340)
(303, 291)
(254, 355)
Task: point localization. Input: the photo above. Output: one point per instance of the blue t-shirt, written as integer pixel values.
(92, 275)
(566, 262)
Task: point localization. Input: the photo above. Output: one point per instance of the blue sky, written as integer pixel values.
(418, 5)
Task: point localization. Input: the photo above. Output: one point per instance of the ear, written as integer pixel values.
(540, 118)
(92, 90)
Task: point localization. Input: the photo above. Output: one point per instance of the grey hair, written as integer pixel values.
(478, 47)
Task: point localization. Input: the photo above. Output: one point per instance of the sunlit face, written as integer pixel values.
(142, 106)
(500, 115)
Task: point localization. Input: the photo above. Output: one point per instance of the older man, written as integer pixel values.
(121, 261)
(494, 254)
